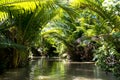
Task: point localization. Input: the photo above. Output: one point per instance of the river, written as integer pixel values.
(57, 69)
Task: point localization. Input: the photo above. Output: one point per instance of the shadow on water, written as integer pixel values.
(55, 69)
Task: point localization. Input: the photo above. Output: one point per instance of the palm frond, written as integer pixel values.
(58, 37)
(29, 22)
(40, 17)
(9, 2)
(7, 43)
(4, 44)
(97, 7)
(72, 13)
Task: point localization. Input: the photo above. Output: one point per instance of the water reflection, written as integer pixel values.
(55, 69)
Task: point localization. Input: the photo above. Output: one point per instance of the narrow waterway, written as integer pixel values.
(55, 69)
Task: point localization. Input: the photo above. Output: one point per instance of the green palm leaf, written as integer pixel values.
(97, 7)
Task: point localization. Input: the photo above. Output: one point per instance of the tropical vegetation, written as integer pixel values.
(78, 30)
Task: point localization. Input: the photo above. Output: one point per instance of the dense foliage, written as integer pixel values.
(79, 30)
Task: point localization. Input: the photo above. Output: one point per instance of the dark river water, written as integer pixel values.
(55, 69)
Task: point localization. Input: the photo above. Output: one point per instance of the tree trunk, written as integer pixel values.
(20, 58)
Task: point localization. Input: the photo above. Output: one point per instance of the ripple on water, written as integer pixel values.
(83, 78)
